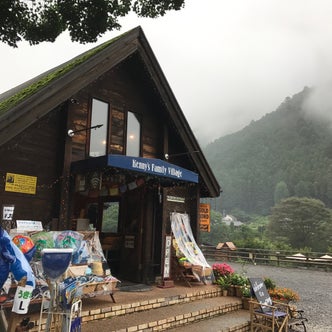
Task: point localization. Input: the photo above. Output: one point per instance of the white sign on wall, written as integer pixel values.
(8, 212)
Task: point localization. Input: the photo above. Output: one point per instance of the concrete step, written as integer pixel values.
(232, 321)
(227, 309)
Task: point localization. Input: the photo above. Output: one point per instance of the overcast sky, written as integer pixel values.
(227, 62)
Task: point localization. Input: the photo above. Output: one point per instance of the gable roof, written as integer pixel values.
(23, 105)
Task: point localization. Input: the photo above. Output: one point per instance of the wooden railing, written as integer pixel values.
(267, 257)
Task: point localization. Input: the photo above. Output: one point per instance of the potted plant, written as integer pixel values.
(269, 283)
(283, 294)
(238, 281)
(246, 296)
(221, 270)
(224, 282)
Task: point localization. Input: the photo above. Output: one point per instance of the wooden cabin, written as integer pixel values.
(101, 139)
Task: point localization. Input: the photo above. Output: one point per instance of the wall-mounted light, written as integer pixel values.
(74, 101)
(71, 132)
(167, 156)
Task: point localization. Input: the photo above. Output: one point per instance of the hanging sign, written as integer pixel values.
(19, 183)
(22, 299)
(152, 166)
(204, 217)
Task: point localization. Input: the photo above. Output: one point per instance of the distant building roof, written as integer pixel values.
(226, 245)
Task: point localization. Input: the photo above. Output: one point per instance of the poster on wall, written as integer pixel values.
(19, 183)
(204, 217)
(8, 212)
(7, 216)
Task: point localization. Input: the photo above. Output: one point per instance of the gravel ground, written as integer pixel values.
(314, 288)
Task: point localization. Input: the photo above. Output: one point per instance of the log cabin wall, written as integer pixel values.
(37, 151)
(126, 89)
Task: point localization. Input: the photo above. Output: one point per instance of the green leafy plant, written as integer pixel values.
(224, 282)
(269, 283)
(238, 279)
(246, 291)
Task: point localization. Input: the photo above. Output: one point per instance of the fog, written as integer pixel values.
(227, 62)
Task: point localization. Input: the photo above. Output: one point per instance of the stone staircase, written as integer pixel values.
(176, 309)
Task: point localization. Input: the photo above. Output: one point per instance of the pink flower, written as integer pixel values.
(221, 269)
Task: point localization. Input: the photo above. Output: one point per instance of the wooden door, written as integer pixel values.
(132, 222)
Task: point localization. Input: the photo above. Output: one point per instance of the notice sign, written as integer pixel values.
(7, 212)
(29, 225)
(22, 299)
(19, 183)
(167, 257)
(204, 217)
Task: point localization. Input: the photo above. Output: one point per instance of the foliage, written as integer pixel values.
(238, 279)
(224, 282)
(281, 192)
(110, 217)
(287, 145)
(86, 20)
(246, 291)
(284, 294)
(221, 270)
(302, 221)
(269, 283)
(249, 235)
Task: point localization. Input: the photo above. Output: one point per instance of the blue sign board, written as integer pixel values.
(152, 166)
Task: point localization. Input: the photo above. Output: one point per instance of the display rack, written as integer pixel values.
(58, 318)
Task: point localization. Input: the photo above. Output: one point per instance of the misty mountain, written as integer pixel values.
(293, 145)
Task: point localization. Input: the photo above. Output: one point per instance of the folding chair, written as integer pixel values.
(296, 322)
(266, 315)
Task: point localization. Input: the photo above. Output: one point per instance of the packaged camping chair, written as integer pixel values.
(269, 316)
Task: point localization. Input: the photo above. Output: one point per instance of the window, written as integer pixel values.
(120, 133)
(98, 136)
(133, 135)
(110, 217)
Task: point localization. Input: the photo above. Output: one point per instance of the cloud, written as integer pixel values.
(318, 104)
(227, 62)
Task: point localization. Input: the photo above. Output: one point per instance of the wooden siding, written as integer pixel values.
(122, 89)
(37, 151)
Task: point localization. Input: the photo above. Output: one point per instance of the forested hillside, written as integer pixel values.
(290, 148)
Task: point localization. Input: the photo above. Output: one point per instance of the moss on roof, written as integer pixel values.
(28, 91)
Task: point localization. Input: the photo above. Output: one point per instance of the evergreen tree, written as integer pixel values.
(302, 221)
(280, 192)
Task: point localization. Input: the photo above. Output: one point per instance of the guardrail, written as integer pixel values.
(311, 260)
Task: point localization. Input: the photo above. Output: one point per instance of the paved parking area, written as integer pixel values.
(314, 288)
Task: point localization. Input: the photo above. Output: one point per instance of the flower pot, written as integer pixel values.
(224, 292)
(245, 302)
(231, 291)
(238, 291)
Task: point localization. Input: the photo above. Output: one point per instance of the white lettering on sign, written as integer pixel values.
(167, 259)
(157, 169)
(175, 172)
(140, 165)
